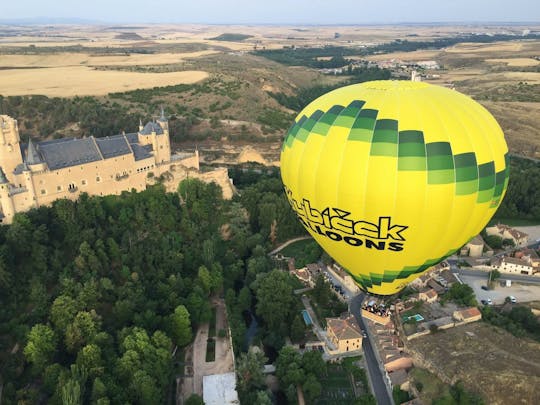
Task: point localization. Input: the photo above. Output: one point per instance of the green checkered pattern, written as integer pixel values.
(412, 153)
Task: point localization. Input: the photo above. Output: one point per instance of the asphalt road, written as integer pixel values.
(377, 379)
(504, 276)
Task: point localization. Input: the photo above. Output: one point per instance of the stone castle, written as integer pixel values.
(37, 173)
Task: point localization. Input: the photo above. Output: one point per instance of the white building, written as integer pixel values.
(220, 389)
(515, 266)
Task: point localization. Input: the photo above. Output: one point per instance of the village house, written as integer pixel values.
(344, 333)
(531, 257)
(519, 238)
(475, 247)
(515, 266)
(428, 296)
(467, 315)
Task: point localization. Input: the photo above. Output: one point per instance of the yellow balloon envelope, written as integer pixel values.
(391, 177)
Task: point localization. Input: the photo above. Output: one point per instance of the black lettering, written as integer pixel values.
(395, 246)
(368, 229)
(353, 241)
(378, 245)
(386, 231)
(318, 230)
(334, 236)
(342, 225)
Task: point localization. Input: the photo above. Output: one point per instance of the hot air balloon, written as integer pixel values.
(391, 177)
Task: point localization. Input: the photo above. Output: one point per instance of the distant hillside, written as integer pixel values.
(133, 36)
(231, 37)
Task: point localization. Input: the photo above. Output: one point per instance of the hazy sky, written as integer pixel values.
(277, 11)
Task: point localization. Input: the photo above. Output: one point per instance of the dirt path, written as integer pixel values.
(197, 366)
(284, 245)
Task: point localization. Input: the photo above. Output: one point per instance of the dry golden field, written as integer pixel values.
(80, 80)
(95, 60)
(502, 368)
(519, 62)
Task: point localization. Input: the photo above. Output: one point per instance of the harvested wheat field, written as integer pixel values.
(516, 62)
(488, 360)
(71, 59)
(468, 47)
(81, 80)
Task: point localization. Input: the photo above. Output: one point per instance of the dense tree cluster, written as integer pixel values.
(522, 198)
(311, 57)
(300, 370)
(95, 293)
(519, 321)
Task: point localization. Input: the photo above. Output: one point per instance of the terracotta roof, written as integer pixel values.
(468, 313)
(431, 293)
(514, 232)
(344, 328)
(302, 274)
(477, 240)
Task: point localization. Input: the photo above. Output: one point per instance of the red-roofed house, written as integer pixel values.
(428, 296)
(344, 333)
(467, 315)
(504, 231)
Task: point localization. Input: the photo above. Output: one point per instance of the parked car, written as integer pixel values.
(489, 302)
(513, 299)
(484, 287)
(484, 302)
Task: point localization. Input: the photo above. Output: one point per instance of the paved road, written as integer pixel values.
(518, 278)
(377, 379)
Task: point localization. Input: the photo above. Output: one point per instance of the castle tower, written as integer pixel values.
(33, 158)
(29, 184)
(162, 146)
(10, 149)
(5, 200)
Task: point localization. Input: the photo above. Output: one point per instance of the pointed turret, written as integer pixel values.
(140, 125)
(33, 157)
(162, 117)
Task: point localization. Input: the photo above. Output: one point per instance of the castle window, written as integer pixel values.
(72, 187)
(83, 182)
(58, 188)
(43, 191)
(98, 179)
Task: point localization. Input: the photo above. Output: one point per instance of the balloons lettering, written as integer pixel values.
(391, 177)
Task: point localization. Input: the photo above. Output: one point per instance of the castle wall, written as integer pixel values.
(39, 186)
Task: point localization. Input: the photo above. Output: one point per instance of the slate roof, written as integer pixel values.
(111, 146)
(152, 127)
(60, 153)
(33, 157)
(141, 151)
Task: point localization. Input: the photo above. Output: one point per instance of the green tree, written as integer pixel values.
(313, 363)
(249, 370)
(194, 399)
(63, 310)
(41, 346)
(275, 297)
(298, 329)
(180, 326)
(89, 358)
(312, 388)
(82, 330)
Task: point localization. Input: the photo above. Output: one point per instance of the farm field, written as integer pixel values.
(81, 81)
(484, 358)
